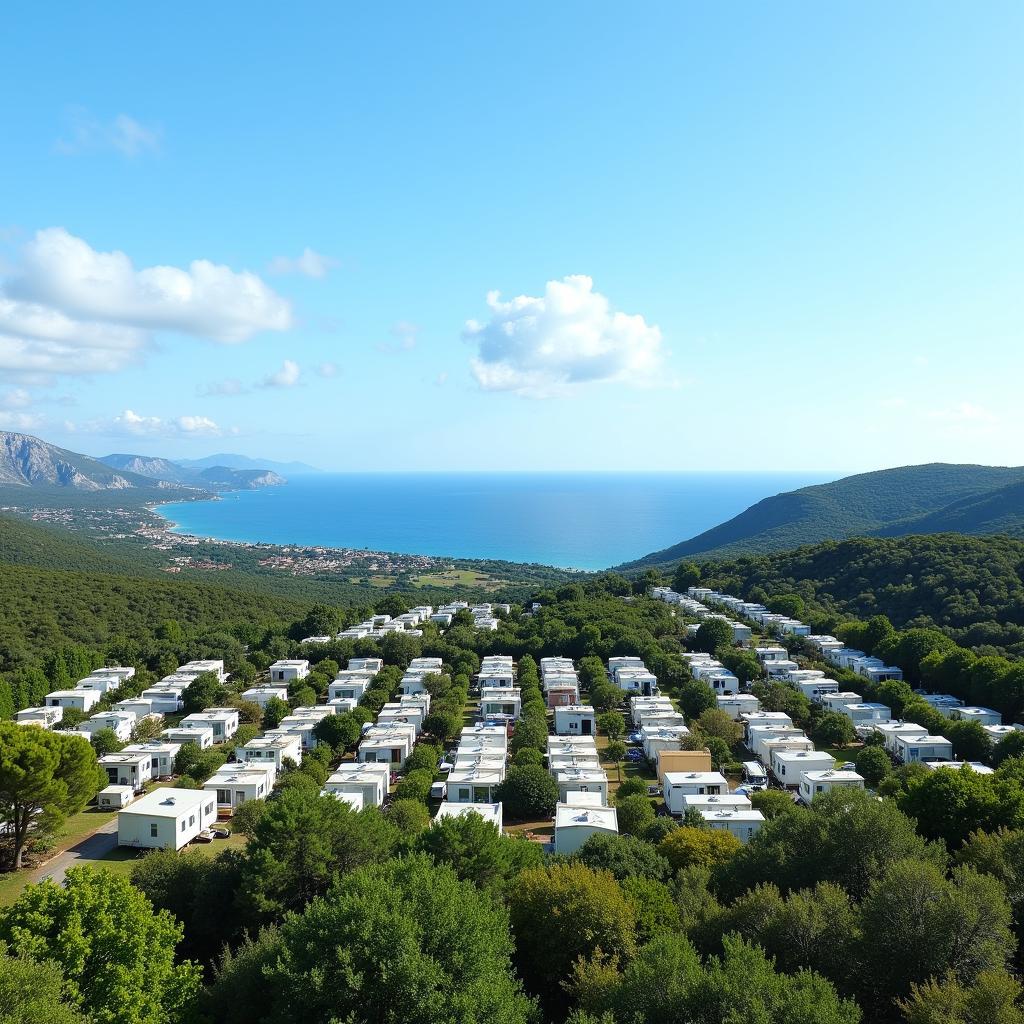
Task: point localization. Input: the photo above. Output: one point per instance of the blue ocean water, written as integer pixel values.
(571, 520)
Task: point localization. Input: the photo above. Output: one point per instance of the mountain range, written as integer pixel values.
(28, 462)
(933, 498)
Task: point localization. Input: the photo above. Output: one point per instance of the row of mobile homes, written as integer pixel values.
(639, 707)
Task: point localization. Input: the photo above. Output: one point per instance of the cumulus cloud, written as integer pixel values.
(132, 424)
(570, 336)
(124, 134)
(68, 309)
(286, 377)
(310, 264)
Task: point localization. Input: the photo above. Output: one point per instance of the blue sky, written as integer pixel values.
(747, 236)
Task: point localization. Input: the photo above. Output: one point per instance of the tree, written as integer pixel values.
(446, 948)
(44, 776)
(1011, 745)
(477, 852)
(105, 741)
(686, 575)
(790, 605)
(717, 723)
(339, 732)
(916, 924)
(873, 764)
(527, 793)
(632, 786)
(846, 836)
(635, 813)
(301, 842)
(205, 691)
(612, 724)
(83, 927)
(615, 753)
(273, 711)
(970, 741)
(197, 763)
(561, 913)
(624, 856)
(249, 712)
(698, 847)
(415, 785)
(773, 802)
(695, 698)
(993, 998)
(712, 634)
(410, 817)
(424, 757)
(833, 729)
(32, 993)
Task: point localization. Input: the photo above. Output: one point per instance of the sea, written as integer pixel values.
(569, 520)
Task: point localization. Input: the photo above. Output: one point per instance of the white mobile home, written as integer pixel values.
(753, 719)
(486, 735)
(503, 703)
(737, 704)
(724, 802)
(199, 668)
(273, 750)
(984, 716)
(401, 714)
(575, 720)
(743, 824)
(868, 712)
(164, 700)
(837, 700)
(161, 755)
(680, 784)
(370, 781)
(166, 819)
(489, 812)
(45, 718)
(287, 670)
(80, 700)
(473, 785)
(120, 723)
(263, 695)
(788, 765)
(576, 822)
(234, 784)
(222, 721)
(656, 738)
(202, 738)
(892, 732)
(581, 780)
(390, 745)
(371, 665)
(814, 782)
(562, 761)
(923, 748)
(122, 769)
(113, 798)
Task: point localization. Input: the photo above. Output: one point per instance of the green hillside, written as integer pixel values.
(911, 499)
(971, 587)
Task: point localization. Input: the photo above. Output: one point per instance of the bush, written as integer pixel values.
(415, 786)
(528, 792)
(411, 817)
(698, 847)
(424, 757)
(532, 756)
(633, 786)
(635, 815)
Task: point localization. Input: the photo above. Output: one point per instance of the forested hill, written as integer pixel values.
(971, 587)
(891, 502)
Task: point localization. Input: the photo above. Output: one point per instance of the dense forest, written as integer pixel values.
(970, 587)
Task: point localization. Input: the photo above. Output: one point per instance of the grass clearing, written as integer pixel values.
(458, 578)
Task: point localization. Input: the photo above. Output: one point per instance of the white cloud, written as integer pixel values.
(15, 398)
(441, 379)
(127, 136)
(542, 346)
(19, 421)
(68, 309)
(310, 264)
(286, 377)
(327, 369)
(132, 424)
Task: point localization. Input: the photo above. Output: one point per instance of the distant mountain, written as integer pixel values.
(933, 498)
(26, 461)
(214, 478)
(244, 462)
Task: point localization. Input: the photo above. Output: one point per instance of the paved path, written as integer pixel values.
(98, 845)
